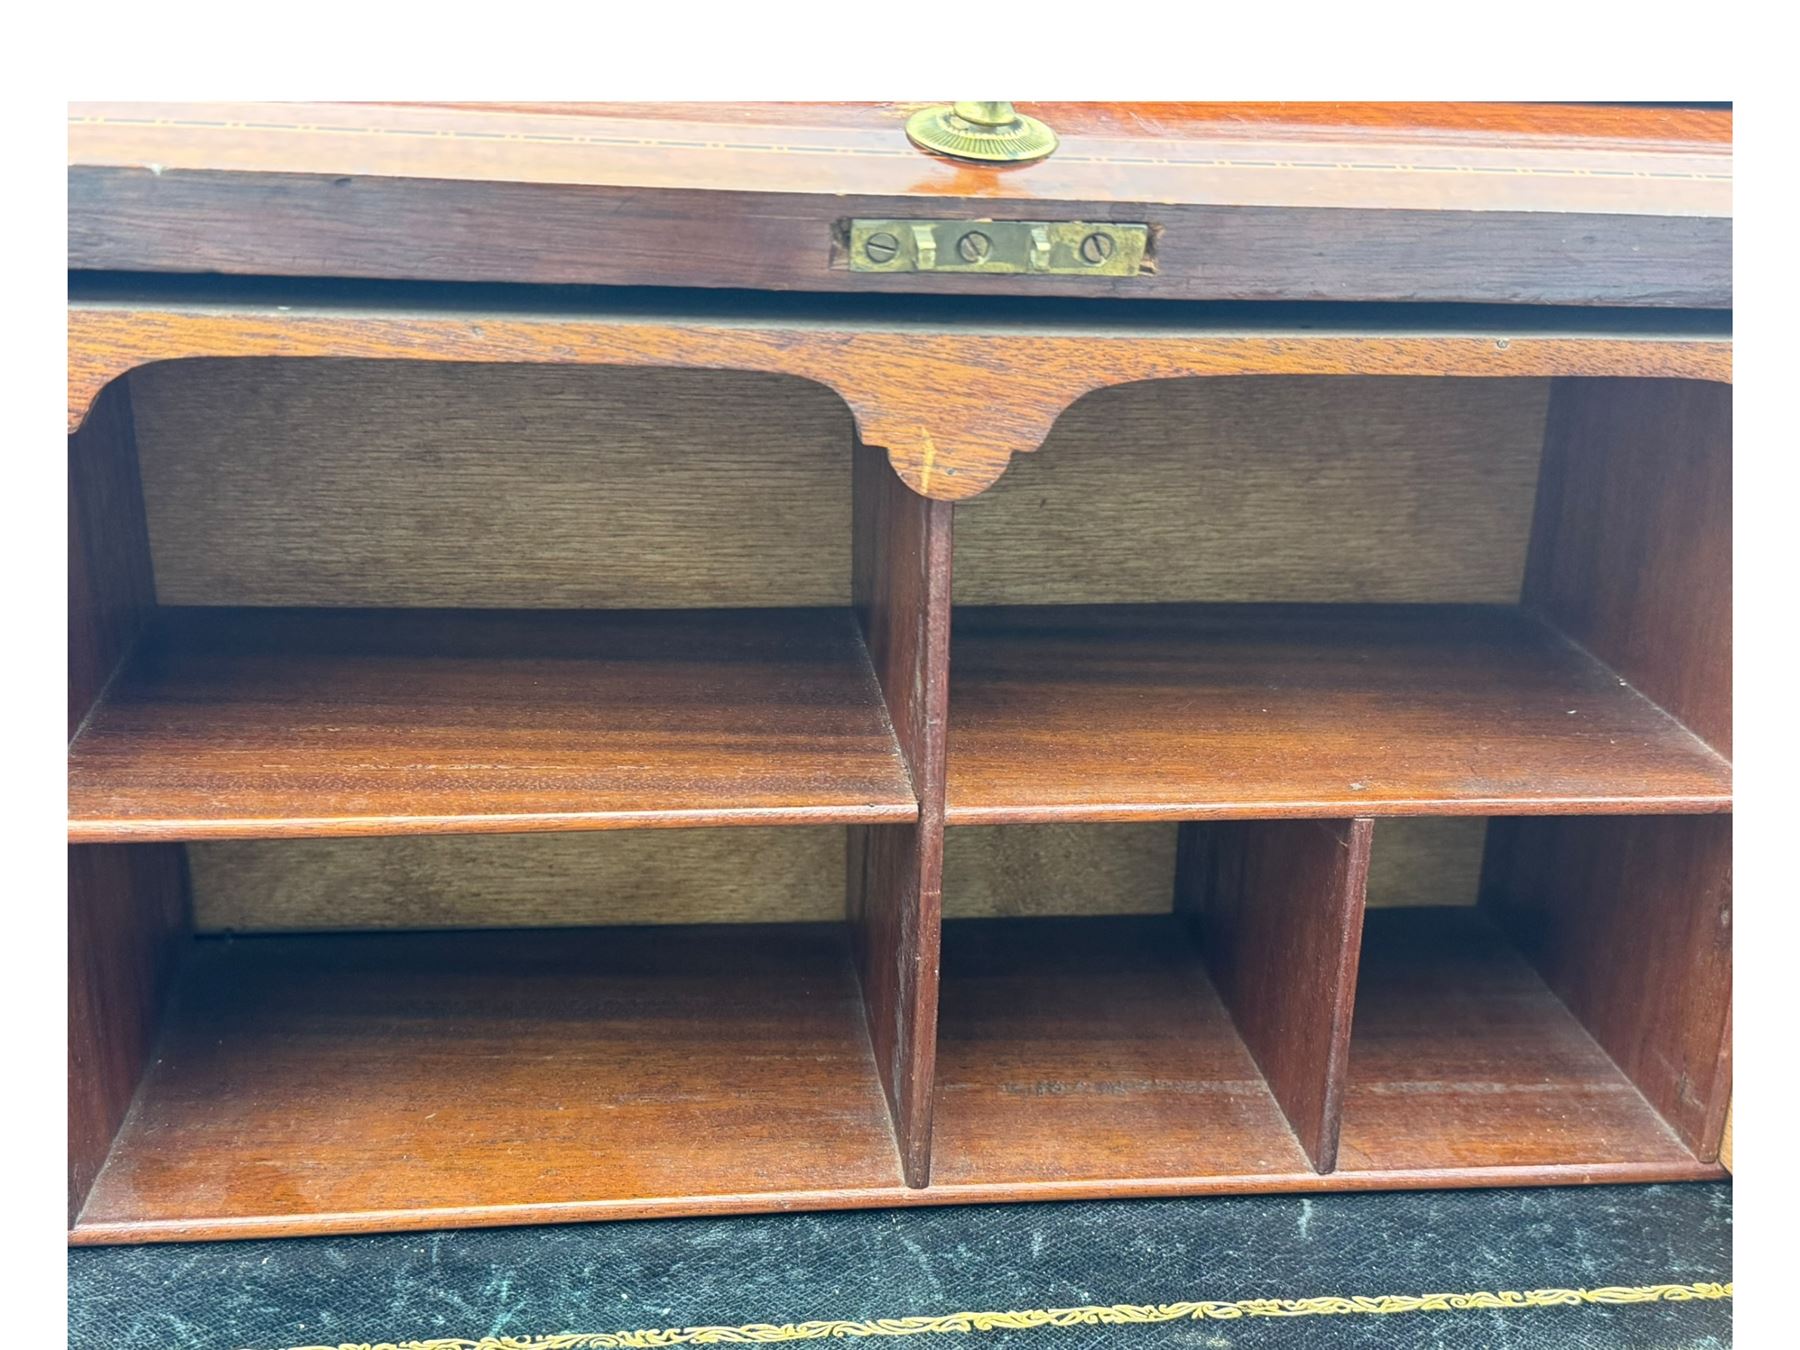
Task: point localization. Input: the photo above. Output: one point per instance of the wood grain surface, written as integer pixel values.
(1503, 202)
(248, 723)
(1683, 153)
(416, 1081)
(1075, 1048)
(431, 1074)
(128, 926)
(1460, 1057)
(111, 591)
(901, 586)
(951, 405)
(1629, 920)
(1631, 551)
(1278, 906)
(1176, 711)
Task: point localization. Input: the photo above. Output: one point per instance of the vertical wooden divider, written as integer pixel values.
(111, 593)
(1629, 919)
(1631, 538)
(128, 907)
(128, 916)
(1279, 907)
(901, 589)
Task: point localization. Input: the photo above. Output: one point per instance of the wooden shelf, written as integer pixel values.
(431, 1080)
(412, 1081)
(1189, 711)
(268, 723)
(1093, 1056)
(1460, 1057)
(1076, 1049)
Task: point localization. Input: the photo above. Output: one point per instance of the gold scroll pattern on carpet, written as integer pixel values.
(1120, 1314)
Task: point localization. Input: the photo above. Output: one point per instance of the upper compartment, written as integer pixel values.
(1340, 596)
(412, 597)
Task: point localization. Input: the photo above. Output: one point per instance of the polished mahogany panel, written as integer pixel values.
(1629, 920)
(128, 924)
(1077, 1049)
(263, 723)
(1178, 711)
(1519, 203)
(1279, 908)
(1460, 1057)
(302, 1080)
(901, 585)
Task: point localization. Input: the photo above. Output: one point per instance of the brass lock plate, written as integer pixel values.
(1056, 248)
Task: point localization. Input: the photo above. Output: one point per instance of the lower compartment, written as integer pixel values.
(1088, 1052)
(451, 1079)
(1461, 1058)
(359, 1082)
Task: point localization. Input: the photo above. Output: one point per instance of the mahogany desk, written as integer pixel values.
(596, 690)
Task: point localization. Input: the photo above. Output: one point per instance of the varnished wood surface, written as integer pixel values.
(128, 925)
(244, 723)
(1082, 1048)
(1631, 549)
(431, 1075)
(1279, 909)
(111, 591)
(1630, 922)
(1683, 155)
(1461, 1057)
(1666, 123)
(951, 404)
(1560, 204)
(901, 586)
(1144, 712)
(356, 1096)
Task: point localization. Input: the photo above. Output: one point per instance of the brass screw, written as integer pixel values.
(973, 246)
(1096, 248)
(880, 248)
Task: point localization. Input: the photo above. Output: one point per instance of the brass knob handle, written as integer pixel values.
(988, 133)
(986, 114)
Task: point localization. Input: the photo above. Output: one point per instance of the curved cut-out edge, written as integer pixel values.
(85, 389)
(939, 455)
(927, 472)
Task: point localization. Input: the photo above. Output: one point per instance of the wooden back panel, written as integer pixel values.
(1258, 489)
(331, 482)
(736, 876)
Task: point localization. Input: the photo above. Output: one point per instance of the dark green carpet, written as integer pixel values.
(527, 1282)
